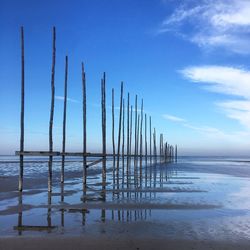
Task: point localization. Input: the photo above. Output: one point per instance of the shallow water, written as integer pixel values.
(196, 198)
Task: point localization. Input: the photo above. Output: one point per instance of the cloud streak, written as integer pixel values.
(212, 24)
(211, 132)
(61, 98)
(173, 118)
(230, 81)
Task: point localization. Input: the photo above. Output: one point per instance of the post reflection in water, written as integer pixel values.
(25, 227)
(62, 200)
(119, 204)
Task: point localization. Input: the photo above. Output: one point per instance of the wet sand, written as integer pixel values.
(120, 242)
(189, 205)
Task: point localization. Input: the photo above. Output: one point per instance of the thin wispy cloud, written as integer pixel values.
(173, 118)
(210, 131)
(230, 81)
(212, 24)
(61, 98)
(237, 110)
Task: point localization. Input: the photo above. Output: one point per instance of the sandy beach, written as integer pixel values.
(191, 204)
(105, 243)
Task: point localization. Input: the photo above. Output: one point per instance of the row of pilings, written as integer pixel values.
(130, 148)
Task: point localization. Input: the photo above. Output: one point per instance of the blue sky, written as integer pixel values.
(189, 60)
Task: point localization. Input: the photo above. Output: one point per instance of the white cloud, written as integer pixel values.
(228, 81)
(222, 23)
(61, 98)
(237, 110)
(173, 118)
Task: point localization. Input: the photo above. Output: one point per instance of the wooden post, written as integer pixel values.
(84, 111)
(171, 149)
(150, 140)
(113, 134)
(162, 146)
(119, 136)
(135, 132)
(137, 143)
(175, 153)
(169, 155)
(52, 109)
(123, 138)
(146, 152)
(155, 151)
(104, 134)
(141, 140)
(130, 136)
(20, 181)
(166, 151)
(146, 143)
(64, 117)
(128, 141)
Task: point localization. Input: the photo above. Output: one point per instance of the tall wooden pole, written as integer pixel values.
(135, 153)
(84, 109)
(137, 143)
(20, 182)
(104, 134)
(155, 152)
(128, 140)
(130, 131)
(141, 140)
(166, 151)
(64, 117)
(146, 152)
(119, 136)
(113, 133)
(52, 110)
(161, 147)
(123, 139)
(175, 153)
(146, 143)
(150, 140)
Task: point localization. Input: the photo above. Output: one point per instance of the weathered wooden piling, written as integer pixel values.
(141, 135)
(119, 136)
(64, 117)
(150, 140)
(52, 109)
(20, 181)
(155, 150)
(166, 152)
(175, 153)
(113, 133)
(103, 103)
(128, 140)
(123, 139)
(135, 146)
(146, 150)
(160, 148)
(84, 113)
(130, 132)
(146, 142)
